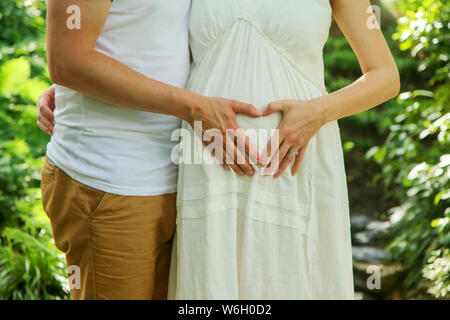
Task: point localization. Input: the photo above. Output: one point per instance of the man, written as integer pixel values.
(108, 182)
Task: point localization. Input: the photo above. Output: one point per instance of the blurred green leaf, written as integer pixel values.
(13, 74)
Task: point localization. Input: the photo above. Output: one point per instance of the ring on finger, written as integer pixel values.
(291, 157)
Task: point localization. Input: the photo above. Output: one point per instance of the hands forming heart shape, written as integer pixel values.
(301, 120)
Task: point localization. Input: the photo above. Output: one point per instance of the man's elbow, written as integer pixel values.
(58, 71)
(61, 68)
(395, 83)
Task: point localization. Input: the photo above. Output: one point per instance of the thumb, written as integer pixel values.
(272, 107)
(247, 109)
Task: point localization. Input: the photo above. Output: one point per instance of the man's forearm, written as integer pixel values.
(108, 80)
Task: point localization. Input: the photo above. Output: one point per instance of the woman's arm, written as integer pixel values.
(380, 82)
(74, 63)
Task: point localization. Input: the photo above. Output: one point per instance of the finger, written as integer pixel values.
(217, 155)
(248, 148)
(270, 168)
(275, 141)
(287, 160)
(245, 108)
(228, 157)
(298, 161)
(235, 156)
(46, 123)
(281, 154)
(47, 98)
(210, 143)
(51, 95)
(44, 128)
(46, 120)
(272, 107)
(242, 162)
(237, 169)
(46, 111)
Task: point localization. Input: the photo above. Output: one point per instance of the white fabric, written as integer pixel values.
(120, 150)
(263, 238)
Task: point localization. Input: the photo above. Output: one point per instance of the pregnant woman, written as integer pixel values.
(287, 237)
(282, 231)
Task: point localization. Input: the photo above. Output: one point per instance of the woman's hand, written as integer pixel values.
(301, 120)
(45, 108)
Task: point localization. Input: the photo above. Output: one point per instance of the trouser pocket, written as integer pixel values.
(47, 183)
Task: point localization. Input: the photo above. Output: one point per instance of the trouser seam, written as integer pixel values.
(94, 274)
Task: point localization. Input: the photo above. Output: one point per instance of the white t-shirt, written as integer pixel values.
(114, 149)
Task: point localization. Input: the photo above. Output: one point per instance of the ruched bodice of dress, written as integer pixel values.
(296, 29)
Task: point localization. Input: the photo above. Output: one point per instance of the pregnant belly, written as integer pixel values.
(254, 73)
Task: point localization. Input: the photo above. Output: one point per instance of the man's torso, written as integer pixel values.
(119, 150)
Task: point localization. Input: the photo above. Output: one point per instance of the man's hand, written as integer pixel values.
(45, 108)
(220, 114)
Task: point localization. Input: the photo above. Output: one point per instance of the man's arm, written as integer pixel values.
(74, 63)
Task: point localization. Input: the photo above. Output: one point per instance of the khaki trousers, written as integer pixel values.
(116, 247)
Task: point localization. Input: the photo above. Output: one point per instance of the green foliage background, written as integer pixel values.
(30, 265)
(397, 155)
(400, 151)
